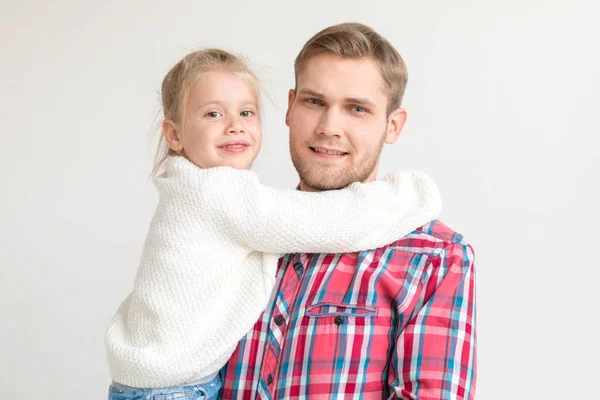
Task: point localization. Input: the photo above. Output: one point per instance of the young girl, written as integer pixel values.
(209, 261)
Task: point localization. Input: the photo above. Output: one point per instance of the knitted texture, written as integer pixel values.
(209, 260)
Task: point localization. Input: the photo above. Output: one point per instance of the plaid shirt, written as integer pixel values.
(395, 322)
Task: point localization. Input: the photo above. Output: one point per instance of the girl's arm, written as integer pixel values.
(359, 217)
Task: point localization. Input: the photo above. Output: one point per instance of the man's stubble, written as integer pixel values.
(322, 178)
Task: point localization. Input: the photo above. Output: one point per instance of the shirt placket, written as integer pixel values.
(278, 325)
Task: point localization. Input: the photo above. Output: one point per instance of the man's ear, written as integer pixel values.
(396, 122)
(172, 136)
(291, 98)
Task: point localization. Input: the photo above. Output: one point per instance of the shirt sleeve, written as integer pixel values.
(435, 355)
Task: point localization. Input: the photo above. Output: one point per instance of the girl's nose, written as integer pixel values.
(235, 127)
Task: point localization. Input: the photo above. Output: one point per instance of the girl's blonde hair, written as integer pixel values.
(179, 80)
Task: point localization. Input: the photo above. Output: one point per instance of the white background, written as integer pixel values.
(503, 114)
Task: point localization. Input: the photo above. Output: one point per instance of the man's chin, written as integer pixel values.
(320, 181)
(317, 177)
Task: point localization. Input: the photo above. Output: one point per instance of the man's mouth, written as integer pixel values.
(328, 152)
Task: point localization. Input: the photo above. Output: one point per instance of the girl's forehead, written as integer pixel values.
(224, 82)
(222, 89)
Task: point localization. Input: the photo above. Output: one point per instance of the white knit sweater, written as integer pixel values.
(209, 261)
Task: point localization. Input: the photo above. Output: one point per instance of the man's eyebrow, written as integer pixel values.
(351, 100)
(310, 92)
(355, 100)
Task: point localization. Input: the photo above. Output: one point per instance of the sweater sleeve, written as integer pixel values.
(359, 217)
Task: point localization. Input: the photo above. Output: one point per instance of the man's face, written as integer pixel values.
(338, 122)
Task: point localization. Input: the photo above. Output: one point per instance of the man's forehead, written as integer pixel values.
(333, 76)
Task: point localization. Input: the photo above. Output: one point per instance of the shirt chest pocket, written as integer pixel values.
(333, 318)
(334, 309)
(339, 334)
(342, 293)
(345, 325)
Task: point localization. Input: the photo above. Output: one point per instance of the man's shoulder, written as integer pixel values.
(431, 238)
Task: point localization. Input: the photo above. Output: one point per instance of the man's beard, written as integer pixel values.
(322, 178)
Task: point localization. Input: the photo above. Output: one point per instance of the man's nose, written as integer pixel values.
(331, 124)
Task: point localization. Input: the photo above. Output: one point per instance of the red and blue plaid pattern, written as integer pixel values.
(395, 322)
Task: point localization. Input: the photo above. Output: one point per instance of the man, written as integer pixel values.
(395, 322)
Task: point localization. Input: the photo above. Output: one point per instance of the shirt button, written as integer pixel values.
(339, 320)
(269, 379)
(297, 266)
(279, 320)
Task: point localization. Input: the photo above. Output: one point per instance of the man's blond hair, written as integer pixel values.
(354, 40)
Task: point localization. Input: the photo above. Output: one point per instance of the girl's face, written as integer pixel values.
(221, 126)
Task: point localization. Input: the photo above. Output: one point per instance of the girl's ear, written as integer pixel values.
(172, 136)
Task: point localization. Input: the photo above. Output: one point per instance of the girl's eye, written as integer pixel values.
(214, 114)
(246, 113)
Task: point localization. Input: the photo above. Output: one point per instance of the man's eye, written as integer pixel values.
(214, 114)
(314, 101)
(359, 109)
(246, 113)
